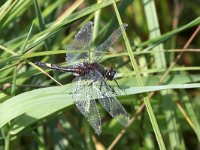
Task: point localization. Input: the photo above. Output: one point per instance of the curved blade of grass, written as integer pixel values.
(38, 104)
(35, 105)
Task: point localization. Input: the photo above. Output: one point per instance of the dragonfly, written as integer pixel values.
(89, 84)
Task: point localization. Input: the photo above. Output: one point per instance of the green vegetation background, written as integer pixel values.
(157, 61)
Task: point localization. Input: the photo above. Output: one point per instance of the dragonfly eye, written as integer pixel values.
(110, 73)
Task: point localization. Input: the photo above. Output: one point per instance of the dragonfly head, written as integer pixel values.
(110, 73)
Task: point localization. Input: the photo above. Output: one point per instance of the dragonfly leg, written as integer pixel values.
(120, 89)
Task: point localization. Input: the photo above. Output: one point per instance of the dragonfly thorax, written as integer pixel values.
(86, 68)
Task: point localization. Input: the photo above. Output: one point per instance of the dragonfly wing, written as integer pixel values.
(82, 93)
(108, 100)
(102, 48)
(81, 41)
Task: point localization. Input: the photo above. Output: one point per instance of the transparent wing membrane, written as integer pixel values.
(82, 93)
(92, 87)
(106, 97)
(102, 48)
(81, 42)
